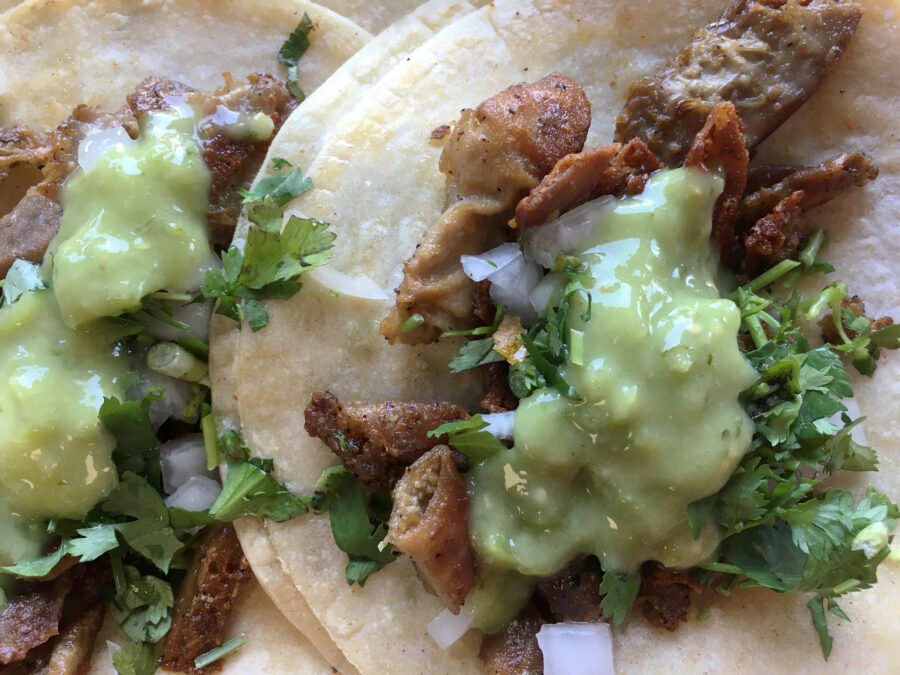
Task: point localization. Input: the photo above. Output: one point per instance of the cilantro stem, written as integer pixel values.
(412, 323)
(175, 361)
(224, 649)
(724, 568)
(210, 443)
(118, 573)
(808, 255)
(173, 297)
(771, 275)
(195, 346)
(754, 327)
(846, 586)
(166, 319)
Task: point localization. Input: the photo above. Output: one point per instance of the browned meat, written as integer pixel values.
(665, 595)
(774, 237)
(381, 439)
(498, 396)
(32, 618)
(572, 595)
(27, 229)
(608, 169)
(514, 649)
(768, 57)
(70, 651)
(856, 305)
(206, 599)
(430, 523)
(496, 154)
(720, 145)
(232, 162)
(820, 183)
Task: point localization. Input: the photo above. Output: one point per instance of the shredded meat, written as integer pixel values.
(748, 57)
(514, 649)
(430, 523)
(608, 169)
(381, 439)
(665, 595)
(720, 144)
(496, 154)
(774, 237)
(32, 618)
(232, 162)
(572, 595)
(205, 599)
(820, 184)
(856, 305)
(26, 231)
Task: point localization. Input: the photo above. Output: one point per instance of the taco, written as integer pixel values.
(377, 180)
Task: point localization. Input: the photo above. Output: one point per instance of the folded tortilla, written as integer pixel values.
(377, 182)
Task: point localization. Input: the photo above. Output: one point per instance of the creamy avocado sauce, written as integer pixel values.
(133, 223)
(658, 424)
(55, 455)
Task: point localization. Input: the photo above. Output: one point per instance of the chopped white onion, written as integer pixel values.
(195, 315)
(182, 458)
(566, 234)
(198, 279)
(571, 648)
(547, 288)
(447, 627)
(356, 287)
(512, 277)
(197, 494)
(500, 424)
(98, 141)
(113, 648)
(176, 397)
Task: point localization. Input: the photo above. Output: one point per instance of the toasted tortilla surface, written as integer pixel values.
(377, 182)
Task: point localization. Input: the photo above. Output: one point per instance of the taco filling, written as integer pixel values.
(660, 409)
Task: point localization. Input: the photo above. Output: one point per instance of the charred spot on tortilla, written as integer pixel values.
(496, 154)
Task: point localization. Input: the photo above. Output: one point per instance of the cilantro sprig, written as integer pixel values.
(275, 255)
(293, 48)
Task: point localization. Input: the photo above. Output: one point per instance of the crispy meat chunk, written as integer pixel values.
(32, 618)
(774, 237)
(572, 595)
(70, 651)
(608, 169)
(498, 396)
(206, 598)
(856, 305)
(749, 56)
(381, 439)
(430, 523)
(514, 649)
(720, 144)
(26, 230)
(665, 595)
(820, 184)
(232, 162)
(495, 155)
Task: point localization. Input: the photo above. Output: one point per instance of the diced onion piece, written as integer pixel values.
(565, 235)
(195, 315)
(547, 288)
(197, 494)
(344, 284)
(512, 277)
(198, 279)
(500, 424)
(113, 648)
(176, 397)
(180, 459)
(447, 627)
(98, 141)
(571, 648)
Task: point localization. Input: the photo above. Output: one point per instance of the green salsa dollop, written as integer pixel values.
(657, 425)
(133, 223)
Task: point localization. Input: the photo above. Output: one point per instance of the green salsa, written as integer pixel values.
(56, 455)
(657, 424)
(133, 223)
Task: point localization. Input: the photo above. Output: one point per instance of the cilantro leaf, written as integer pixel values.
(619, 592)
(293, 48)
(339, 493)
(280, 187)
(470, 438)
(141, 606)
(137, 447)
(304, 243)
(475, 353)
(136, 658)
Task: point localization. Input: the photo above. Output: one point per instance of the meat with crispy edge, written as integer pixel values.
(664, 596)
(207, 595)
(378, 441)
(856, 305)
(26, 231)
(495, 155)
(430, 523)
(748, 57)
(514, 650)
(32, 618)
